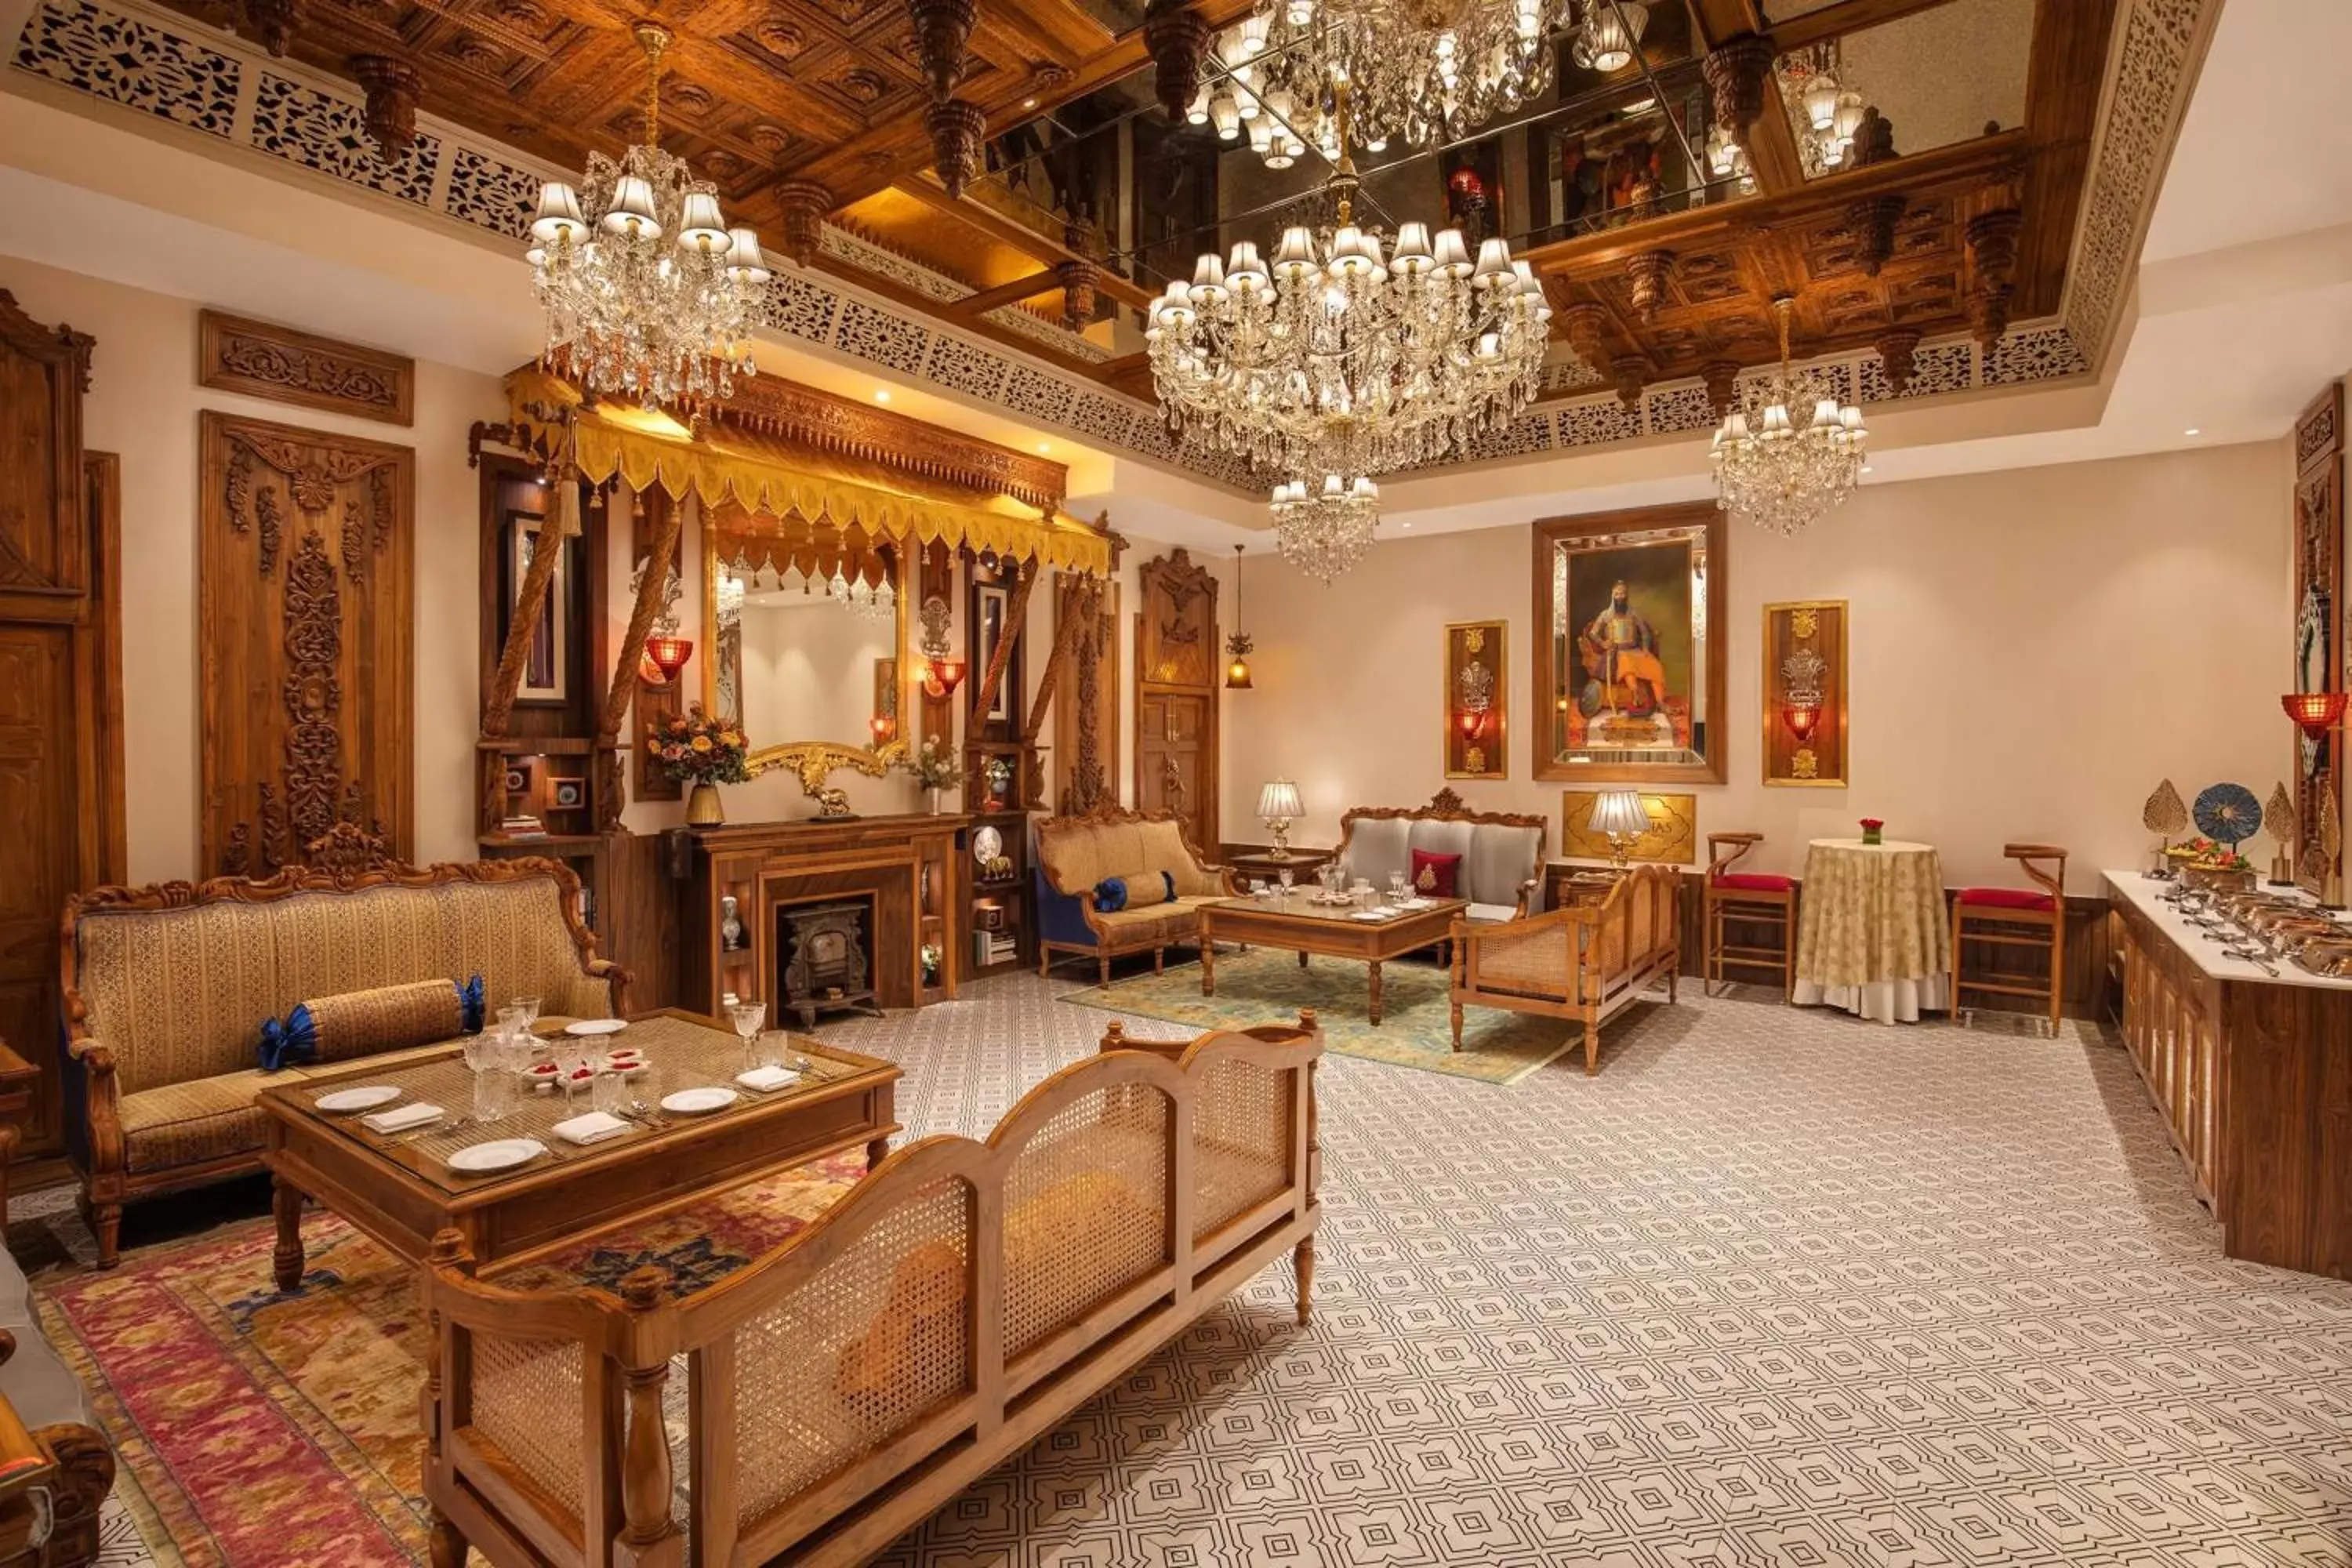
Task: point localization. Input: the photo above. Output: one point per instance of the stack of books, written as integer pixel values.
(992, 947)
(523, 827)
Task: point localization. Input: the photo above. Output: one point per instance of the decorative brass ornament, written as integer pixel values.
(1805, 765)
(1805, 623)
(1476, 700)
(2278, 821)
(1672, 840)
(1805, 693)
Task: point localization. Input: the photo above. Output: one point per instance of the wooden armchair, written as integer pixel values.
(1587, 961)
(2016, 918)
(1752, 898)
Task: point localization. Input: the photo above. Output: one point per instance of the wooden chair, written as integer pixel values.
(2016, 917)
(1753, 897)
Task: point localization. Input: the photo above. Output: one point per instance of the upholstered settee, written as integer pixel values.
(1076, 855)
(1501, 853)
(940, 1314)
(167, 988)
(1588, 961)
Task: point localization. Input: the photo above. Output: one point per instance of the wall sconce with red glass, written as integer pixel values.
(1802, 718)
(2314, 712)
(885, 727)
(669, 653)
(941, 676)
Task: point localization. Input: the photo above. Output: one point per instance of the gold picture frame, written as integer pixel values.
(1803, 681)
(1476, 700)
(1673, 838)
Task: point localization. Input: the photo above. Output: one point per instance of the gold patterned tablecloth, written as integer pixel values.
(1871, 914)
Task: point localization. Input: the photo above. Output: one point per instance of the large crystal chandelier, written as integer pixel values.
(648, 294)
(1790, 451)
(1337, 358)
(1325, 532)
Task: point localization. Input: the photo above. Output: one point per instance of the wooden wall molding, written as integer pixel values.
(286, 365)
(304, 620)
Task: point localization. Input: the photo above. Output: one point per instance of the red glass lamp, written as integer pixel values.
(669, 653)
(1802, 718)
(942, 676)
(885, 727)
(1471, 722)
(2314, 712)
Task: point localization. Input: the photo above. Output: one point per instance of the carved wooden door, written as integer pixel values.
(58, 711)
(1086, 697)
(304, 641)
(1176, 672)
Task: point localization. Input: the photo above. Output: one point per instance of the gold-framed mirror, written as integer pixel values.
(808, 628)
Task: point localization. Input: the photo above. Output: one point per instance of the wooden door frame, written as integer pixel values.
(102, 502)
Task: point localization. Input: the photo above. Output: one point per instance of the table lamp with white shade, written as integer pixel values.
(1278, 805)
(1619, 815)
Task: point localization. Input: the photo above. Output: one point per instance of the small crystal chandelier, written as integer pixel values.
(1833, 110)
(1610, 38)
(1777, 466)
(648, 294)
(1325, 532)
(1340, 359)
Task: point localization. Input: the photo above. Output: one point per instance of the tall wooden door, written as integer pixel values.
(62, 810)
(1176, 674)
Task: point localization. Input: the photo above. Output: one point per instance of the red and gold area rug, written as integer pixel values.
(260, 1430)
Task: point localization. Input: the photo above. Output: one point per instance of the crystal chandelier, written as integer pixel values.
(1324, 532)
(648, 294)
(1340, 359)
(1779, 466)
(1833, 110)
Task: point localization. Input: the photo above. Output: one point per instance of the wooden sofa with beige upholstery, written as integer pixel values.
(1500, 853)
(1588, 961)
(1076, 854)
(167, 987)
(950, 1307)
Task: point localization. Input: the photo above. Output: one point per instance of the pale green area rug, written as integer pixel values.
(1265, 985)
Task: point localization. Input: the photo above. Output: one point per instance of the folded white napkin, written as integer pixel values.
(1381, 912)
(767, 1079)
(401, 1118)
(593, 1128)
(1416, 902)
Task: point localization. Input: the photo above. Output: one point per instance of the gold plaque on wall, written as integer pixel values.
(1478, 701)
(1673, 838)
(1804, 693)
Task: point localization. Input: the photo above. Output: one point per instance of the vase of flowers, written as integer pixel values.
(1873, 830)
(934, 768)
(702, 753)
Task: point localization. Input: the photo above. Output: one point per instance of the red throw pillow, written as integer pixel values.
(1434, 876)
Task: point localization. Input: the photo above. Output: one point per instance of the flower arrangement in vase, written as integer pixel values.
(1873, 830)
(934, 767)
(704, 752)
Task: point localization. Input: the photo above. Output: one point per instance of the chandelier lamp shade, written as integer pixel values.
(1240, 645)
(1278, 806)
(1788, 451)
(1324, 531)
(2314, 712)
(648, 295)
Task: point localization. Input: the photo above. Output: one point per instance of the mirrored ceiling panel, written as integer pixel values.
(1934, 77)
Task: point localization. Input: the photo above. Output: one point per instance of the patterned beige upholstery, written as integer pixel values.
(167, 988)
(1074, 853)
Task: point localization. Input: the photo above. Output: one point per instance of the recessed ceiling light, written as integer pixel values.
(1404, 525)
(881, 395)
(1044, 446)
(1028, 104)
(2192, 430)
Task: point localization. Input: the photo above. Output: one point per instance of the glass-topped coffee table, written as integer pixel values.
(1298, 925)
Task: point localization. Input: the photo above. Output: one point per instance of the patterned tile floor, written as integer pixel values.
(1777, 1287)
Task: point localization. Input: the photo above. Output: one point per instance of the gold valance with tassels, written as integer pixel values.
(768, 470)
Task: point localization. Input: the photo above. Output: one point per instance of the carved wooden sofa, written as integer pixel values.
(52, 1479)
(1501, 852)
(1588, 961)
(1076, 854)
(166, 988)
(956, 1303)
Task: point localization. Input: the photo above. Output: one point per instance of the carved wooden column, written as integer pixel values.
(957, 129)
(649, 1535)
(804, 204)
(1992, 247)
(1176, 36)
(392, 88)
(1736, 72)
(2320, 645)
(1898, 349)
(1176, 673)
(1085, 731)
(942, 33)
(1627, 373)
(1722, 378)
(303, 634)
(1649, 272)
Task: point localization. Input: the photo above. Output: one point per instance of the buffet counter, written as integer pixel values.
(2252, 1069)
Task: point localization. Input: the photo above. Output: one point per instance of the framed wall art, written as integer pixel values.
(1628, 677)
(1478, 701)
(545, 675)
(1804, 693)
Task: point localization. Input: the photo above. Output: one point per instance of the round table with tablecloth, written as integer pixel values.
(1874, 937)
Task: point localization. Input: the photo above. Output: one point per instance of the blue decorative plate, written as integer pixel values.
(2228, 812)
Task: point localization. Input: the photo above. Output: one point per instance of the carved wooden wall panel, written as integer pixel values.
(306, 566)
(2320, 646)
(1176, 674)
(285, 366)
(1086, 697)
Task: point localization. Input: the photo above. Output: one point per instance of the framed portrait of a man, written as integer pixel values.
(1629, 689)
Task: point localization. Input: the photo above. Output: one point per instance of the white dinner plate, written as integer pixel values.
(597, 1027)
(502, 1154)
(694, 1101)
(344, 1102)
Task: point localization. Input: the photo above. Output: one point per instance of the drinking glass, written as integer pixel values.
(528, 1007)
(748, 1017)
(770, 1049)
(610, 1093)
(494, 1090)
(1285, 875)
(1396, 886)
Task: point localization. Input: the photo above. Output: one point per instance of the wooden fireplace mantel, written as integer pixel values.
(915, 868)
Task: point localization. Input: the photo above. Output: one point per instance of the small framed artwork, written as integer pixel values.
(544, 667)
(1804, 693)
(571, 794)
(992, 608)
(1478, 701)
(886, 700)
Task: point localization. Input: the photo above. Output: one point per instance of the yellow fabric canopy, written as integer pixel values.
(784, 478)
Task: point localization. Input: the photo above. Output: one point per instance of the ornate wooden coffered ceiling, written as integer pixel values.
(802, 111)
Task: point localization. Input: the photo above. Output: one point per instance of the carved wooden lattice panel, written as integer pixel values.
(303, 633)
(1085, 697)
(1176, 671)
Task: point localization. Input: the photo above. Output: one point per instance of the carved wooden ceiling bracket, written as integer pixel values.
(1176, 36)
(1722, 376)
(1630, 370)
(1078, 280)
(1899, 349)
(1649, 270)
(1585, 324)
(392, 88)
(942, 33)
(957, 129)
(1993, 245)
(1872, 220)
(1737, 71)
(272, 23)
(803, 205)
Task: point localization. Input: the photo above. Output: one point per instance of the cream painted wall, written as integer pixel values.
(143, 403)
(2031, 652)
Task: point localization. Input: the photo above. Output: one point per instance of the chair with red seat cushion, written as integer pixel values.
(2033, 918)
(1753, 899)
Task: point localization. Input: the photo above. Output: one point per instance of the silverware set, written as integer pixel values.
(2265, 929)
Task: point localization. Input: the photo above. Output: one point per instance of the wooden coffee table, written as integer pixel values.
(1296, 924)
(399, 1191)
